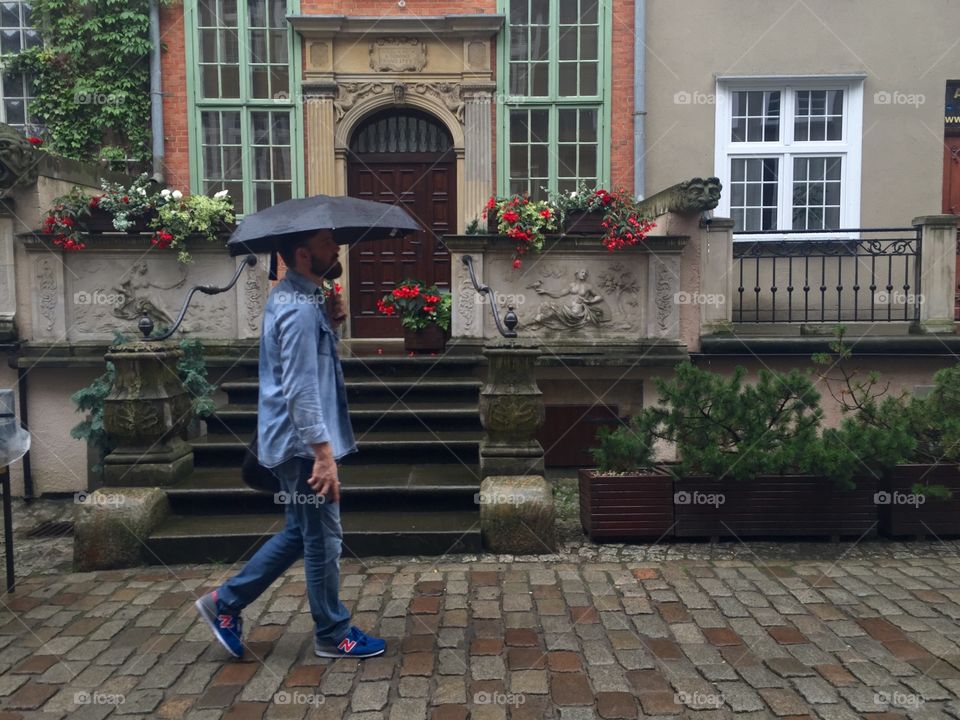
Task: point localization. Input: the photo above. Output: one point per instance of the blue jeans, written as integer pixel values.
(312, 531)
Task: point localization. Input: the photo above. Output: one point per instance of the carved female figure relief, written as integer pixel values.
(583, 306)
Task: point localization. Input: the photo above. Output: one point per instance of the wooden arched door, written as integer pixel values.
(400, 156)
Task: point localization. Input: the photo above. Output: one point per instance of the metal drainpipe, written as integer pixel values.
(156, 94)
(639, 98)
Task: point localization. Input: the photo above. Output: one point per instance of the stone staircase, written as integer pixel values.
(410, 490)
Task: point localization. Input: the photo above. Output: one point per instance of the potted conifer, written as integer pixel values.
(626, 497)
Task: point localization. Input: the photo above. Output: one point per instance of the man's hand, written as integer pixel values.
(324, 480)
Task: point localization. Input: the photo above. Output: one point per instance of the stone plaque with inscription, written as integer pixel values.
(398, 55)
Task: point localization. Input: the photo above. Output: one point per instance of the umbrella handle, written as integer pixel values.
(145, 324)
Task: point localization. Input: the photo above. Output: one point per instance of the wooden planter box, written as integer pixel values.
(100, 221)
(628, 507)
(431, 339)
(774, 506)
(582, 222)
(899, 516)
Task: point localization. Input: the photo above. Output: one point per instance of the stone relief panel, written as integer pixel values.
(576, 299)
(469, 306)
(109, 291)
(47, 298)
(662, 296)
(398, 55)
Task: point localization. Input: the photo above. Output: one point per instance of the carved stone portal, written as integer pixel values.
(349, 94)
(398, 55)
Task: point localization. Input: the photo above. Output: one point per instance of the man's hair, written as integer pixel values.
(288, 244)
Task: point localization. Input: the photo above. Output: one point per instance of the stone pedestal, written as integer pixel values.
(511, 411)
(144, 414)
(938, 272)
(517, 514)
(111, 526)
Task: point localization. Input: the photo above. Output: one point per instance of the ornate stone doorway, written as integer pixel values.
(404, 156)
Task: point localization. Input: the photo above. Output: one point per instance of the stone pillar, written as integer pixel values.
(144, 414)
(478, 182)
(511, 411)
(716, 276)
(319, 122)
(8, 284)
(938, 271)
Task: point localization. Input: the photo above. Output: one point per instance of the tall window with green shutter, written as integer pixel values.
(244, 122)
(554, 114)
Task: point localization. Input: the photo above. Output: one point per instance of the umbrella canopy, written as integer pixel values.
(350, 219)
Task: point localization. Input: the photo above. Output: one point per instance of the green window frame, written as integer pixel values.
(553, 114)
(244, 120)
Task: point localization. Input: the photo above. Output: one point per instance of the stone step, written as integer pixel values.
(230, 538)
(408, 388)
(393, 447)
(401, 488)
(395, 415)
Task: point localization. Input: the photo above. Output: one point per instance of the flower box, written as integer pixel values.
(626, 507)
(492, 223)
(902, 514)
(432, 338)
(774, 506)
(584, 222)
(101, 221)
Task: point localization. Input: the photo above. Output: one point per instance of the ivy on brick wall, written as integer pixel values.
(91, 78)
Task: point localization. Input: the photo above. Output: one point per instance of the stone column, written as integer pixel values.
(716, 276)
(144, 414)
(478, 182)
(319, 122)
(938, 271)
(511, 411)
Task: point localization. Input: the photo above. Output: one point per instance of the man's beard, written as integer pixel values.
(328, 272)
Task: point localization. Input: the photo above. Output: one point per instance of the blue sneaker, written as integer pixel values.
(356, 644)
(226, 626)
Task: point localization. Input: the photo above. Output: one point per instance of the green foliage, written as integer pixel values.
(725, 428)
(91, 77)
(182, 217)
(473, 227)
(192, 369)
(886, 429)
(627, 448)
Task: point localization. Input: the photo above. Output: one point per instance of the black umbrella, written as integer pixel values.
(350, 219)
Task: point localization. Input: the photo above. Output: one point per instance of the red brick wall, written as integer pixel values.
(174, 84)
(621, 111)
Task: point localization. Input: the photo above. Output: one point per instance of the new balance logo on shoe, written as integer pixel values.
(226, 621)
(347, 645)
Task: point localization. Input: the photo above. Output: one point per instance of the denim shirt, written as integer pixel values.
(303, 398)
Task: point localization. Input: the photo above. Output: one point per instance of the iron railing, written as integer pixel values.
(507, 328)
(816, 276)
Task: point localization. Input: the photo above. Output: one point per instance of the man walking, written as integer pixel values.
(303, 429)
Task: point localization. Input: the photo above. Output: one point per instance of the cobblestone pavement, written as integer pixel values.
(816, 630)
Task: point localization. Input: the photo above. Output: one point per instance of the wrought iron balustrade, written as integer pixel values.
(817, 276)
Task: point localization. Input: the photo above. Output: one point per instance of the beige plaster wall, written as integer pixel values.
(58, 461)
(903, 47)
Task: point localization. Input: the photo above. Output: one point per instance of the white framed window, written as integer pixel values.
(788, 153)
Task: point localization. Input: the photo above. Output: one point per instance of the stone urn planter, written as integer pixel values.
(583, 222)
(432, 338)
(774, 506)
(145, 415)
(902, 513)
(626, 507)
